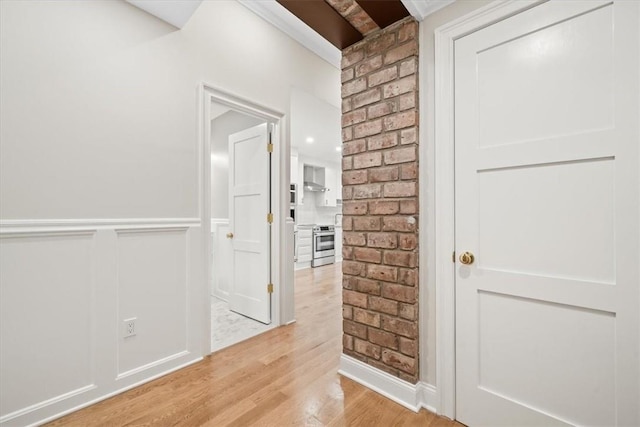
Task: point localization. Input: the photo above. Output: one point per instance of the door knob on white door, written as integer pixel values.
(467, 258)
(229, 235)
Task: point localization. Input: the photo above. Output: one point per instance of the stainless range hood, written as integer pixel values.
(314, 178)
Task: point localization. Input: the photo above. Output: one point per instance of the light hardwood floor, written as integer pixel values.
(284, 377)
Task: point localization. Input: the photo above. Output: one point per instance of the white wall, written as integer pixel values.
(221, 127)
(99, 202)
(427, 138)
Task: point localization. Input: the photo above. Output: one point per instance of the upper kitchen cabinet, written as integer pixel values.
(330, 196)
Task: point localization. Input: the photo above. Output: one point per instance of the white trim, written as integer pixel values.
(159, 362)
(425, 237)
(401, 392)
(427, 396)
(33, 226)
(109, 395)
(279, 179)
(420, 9)
(46, 403)
(285, 21)
(444, 187)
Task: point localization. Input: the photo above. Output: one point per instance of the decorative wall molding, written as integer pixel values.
(95, 267)
(272, 12)
(24, 411)
(40, 226)
(116, 392)
(152, 365)
(420, 9)
(39, 232)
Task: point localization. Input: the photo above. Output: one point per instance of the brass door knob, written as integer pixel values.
(229, 235)
(466, 258)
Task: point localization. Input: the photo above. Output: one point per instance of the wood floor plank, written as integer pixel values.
(284, 377)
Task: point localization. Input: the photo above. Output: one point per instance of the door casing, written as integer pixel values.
(279, 195)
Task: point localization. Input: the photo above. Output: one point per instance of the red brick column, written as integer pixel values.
(380, 192)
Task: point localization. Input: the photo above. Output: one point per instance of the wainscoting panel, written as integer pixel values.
(65, 288)
(152, 289)
(47, 288)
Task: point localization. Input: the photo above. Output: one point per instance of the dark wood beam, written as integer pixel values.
(324, 19)
(384, 12)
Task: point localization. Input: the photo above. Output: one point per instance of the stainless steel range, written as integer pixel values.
(323, 245)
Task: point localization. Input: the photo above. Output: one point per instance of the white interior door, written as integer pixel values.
(546, 195)
(249, 181)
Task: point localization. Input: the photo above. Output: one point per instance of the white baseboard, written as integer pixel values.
(12, 417)
(427, 397)
(411, 396)
(399, 391)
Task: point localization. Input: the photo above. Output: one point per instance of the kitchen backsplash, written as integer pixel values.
(309, 213)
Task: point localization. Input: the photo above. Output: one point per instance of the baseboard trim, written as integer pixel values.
(411, 396)
(393, 388)
(114, 393)
(427, 397)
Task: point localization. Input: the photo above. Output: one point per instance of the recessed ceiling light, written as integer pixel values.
(338, 148)
(309, 140)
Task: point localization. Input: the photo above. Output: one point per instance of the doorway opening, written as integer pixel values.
(240, 213)
(232, 317)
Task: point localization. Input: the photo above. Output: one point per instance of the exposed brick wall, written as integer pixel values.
(380, 193)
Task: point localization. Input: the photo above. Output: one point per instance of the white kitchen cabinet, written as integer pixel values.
(332, 182)
(304, 246)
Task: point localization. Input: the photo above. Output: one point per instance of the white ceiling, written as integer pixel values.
(317, 119)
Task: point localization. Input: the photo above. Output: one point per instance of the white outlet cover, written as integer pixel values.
(129, 327)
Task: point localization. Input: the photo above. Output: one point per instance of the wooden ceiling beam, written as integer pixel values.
(325, 20)
(384, 12)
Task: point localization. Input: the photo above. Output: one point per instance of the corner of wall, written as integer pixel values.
(380, 193)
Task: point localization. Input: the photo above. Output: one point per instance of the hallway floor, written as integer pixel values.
(284, 377)
(228, 327)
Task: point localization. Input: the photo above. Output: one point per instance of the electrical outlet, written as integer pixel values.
(129, 326)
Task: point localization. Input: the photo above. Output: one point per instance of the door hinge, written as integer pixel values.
(453, 257)
(270, 218)
(270, 288)
(270, 148)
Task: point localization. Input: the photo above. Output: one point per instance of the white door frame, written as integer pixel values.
(442, 187)
(279, 173)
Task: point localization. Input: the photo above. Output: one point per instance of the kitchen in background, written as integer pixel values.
(316, 181)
